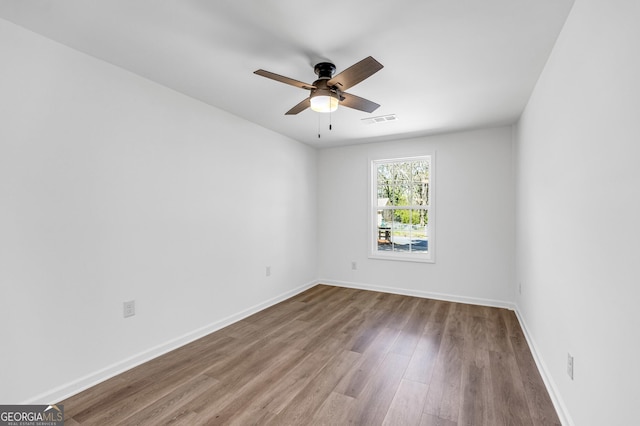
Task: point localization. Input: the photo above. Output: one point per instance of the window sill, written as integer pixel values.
(402, 257)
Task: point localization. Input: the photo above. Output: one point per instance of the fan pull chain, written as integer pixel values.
(319, 126)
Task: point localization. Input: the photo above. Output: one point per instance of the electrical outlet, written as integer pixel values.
(268, 271)
(570, 365)
(129, 308)
(354, 265)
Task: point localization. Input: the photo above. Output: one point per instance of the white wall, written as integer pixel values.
(114, 188)
(578, 213)
(474, 228)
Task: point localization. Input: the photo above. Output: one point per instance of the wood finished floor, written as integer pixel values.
(336, 356)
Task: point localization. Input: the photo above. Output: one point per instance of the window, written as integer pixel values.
(402, 213)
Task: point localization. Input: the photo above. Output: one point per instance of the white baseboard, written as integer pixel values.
(549, 383)
(423, 294)
(65, 391)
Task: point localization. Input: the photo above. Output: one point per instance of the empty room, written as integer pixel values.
(288, 212)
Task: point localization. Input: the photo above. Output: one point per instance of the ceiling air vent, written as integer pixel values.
(380, 119)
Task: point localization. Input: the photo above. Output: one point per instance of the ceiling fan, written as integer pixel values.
(328, 91)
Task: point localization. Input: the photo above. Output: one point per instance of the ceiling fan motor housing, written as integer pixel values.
(324, 69)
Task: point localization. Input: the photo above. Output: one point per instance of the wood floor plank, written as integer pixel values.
(477, 387)
(185, 418)
(250, 359)
(349, 332)
(441, 312)
(308, 401)
(458, 320)
(410, 334)
(224, 409)
(430, 420)
(373, 324)
(277, 315)
(423, 360)
(407, 404)
(424, 357)
(476, 332)
(508, 390)
(331, 329)
(267, 405)
(335, 410)
(372, 404)
(324, 305)
(477, 406)
(112, 406)
(332, 355)
(401, 313)
(445, 396)
(94, 395)
(511, 322)
(497, 332)
(538, 400)
(171, 405)
(355, 380)
(149, 391)
(233, 377)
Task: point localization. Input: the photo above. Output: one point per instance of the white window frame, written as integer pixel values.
(374, 253)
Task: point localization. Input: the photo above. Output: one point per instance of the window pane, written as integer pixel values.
(383, 194)
(419, 241)
(402, 194)
(421, 182)
(420, 171)
(420, 194)
(395, 193)
(385, 220)
(384, 172)
(401, 232)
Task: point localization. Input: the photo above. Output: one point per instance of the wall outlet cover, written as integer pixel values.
(129, 308)
(570, 365)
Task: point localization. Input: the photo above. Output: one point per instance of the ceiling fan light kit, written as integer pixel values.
(327, 92)
(324, 103)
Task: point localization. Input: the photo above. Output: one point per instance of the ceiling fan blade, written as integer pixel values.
(356, 102)
(283, 79)
(356, 73)
(300, 107)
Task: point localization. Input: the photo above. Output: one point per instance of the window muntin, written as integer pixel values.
(401, 206)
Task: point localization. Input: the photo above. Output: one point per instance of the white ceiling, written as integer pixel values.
(449, 65)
